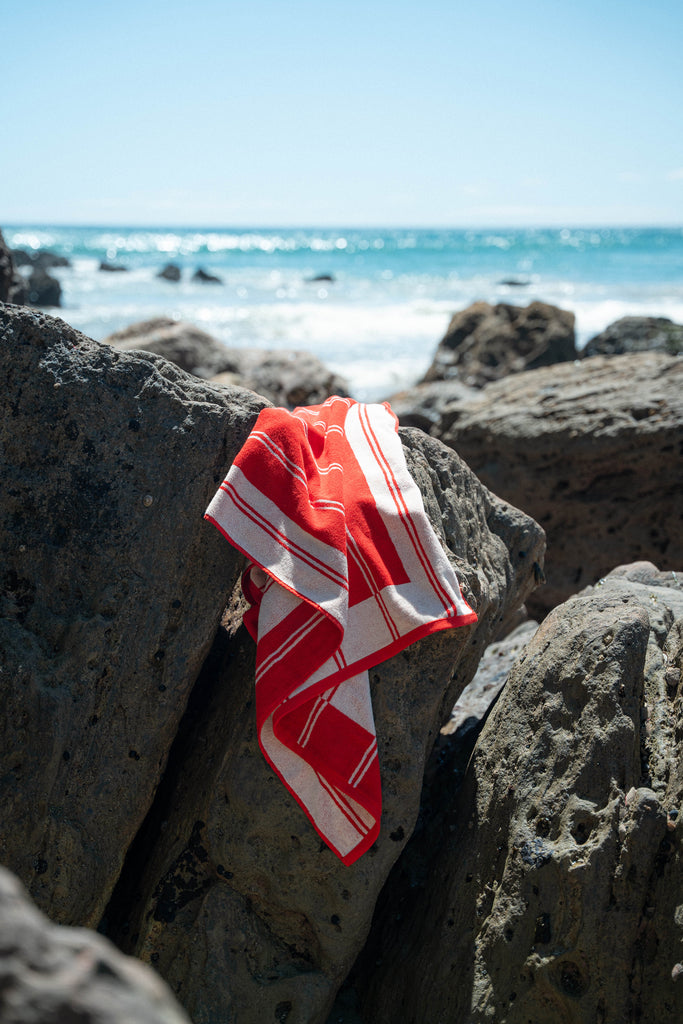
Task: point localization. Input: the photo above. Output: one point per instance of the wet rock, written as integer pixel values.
(51, 974)
(484, 342)
(111, 590)
(550, 889)
(41, 259)
(112, 268)
(204, 277)
(244, 910)
(171, 272)
(637, 334)
(591, 450)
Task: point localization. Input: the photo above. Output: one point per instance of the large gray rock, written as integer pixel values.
(637, 334)
(54, 975)
(129, 765)
(112, 587)
(247, 914)
(551, 889)
(592, 450)
(284, 377)
(484, 342)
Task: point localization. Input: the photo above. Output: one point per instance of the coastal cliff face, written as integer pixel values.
(132, 793)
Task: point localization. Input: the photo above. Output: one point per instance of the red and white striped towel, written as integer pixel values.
(345, 571)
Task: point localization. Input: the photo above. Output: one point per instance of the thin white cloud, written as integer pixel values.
(675, 175)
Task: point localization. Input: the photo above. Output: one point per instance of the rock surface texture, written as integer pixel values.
(129, 763)
(593, 451)
(484, 342)
(284, 377)
(12, 285)
(637, 334)
(55, 975)
(112, 588)
(551, 889)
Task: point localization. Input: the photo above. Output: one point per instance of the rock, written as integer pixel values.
(51, 974)
(12, 285)
(43, 289)
(171, 272)
(637, 334)
(423, 406)
(111, 590)
(246, 913)
(320, 278)
(592, 451)
(112, 268)
(41, 259)
(204, 277)
(550, 889)
(514, 282)
(129, 765)
(181, 343)
(284, 377)
(484, 342)
(475, 700)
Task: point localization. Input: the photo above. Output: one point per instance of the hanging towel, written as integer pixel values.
(344, 571)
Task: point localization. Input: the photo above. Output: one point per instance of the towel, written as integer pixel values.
(344, 570)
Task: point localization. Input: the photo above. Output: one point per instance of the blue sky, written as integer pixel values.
(383, 112)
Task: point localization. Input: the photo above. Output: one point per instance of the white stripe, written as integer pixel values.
(366, 759)
(292, 467)
(319, 706)
(292, 640)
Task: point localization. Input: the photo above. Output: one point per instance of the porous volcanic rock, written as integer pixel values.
(111, 590)
(592, 450)
(50, 974)
(484, 342)
(284, 377)
(637, 334)
(551, 888)
(246, 913)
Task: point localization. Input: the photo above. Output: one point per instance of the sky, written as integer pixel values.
(377, 112)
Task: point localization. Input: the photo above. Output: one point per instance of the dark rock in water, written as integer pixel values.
(43, 289)
(171, 272)
(112, 268)
(54, 975)
(12, 285)
(39, 258)
(637, 334)
(514, 282)
(550, 888)
(129, 765)
(320, 278)
(205, 277)
(484, 343)
(592, 450)
(284, 377)
(111, 589)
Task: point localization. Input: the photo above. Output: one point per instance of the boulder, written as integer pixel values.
(129, 765)
(243, 909)
(204, 277)
(41, 259)
(111, 590)
(284, 377)
(112, 268)
(43, 289)
(51, 974)
(550, 888)
(591, 450)
(423, 405)
(12, 284)
(637, 334)
(484, 342)
(171, 272)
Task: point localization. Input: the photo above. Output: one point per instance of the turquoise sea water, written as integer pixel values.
(392, 291)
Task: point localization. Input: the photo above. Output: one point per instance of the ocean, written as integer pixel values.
(382, 299)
